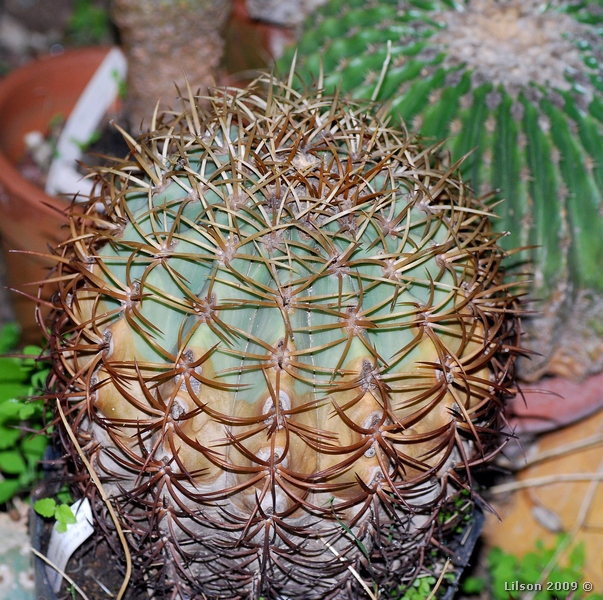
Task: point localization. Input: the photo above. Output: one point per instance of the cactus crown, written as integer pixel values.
(284, 324)
(515, 44)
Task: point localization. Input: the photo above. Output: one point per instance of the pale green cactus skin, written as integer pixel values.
(519, 85)
(282, 342)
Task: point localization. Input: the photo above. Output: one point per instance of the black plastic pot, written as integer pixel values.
(462, 548)
(43, 588)
(44, 489)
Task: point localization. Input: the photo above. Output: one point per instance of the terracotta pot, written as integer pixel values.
(553, 403)
(251, 45)
(30, 219)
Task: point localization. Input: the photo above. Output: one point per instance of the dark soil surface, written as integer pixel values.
(93, 569)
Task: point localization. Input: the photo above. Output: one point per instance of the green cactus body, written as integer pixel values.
(283, 340)
(518, 83)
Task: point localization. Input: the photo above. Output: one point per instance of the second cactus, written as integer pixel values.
(519, 84)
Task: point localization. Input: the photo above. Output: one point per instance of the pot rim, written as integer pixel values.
(11, 178)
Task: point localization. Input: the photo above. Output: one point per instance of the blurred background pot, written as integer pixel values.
(30, 98)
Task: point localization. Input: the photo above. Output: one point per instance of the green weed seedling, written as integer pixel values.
(122, 86)
(423, 587)
(60, 511)
(22, 440)
(511, 578)
(85, 145)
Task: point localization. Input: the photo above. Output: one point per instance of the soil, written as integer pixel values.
(93, 569)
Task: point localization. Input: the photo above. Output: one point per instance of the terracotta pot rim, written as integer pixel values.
(11, 176)
(30, 219)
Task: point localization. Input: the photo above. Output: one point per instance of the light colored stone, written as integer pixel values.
(14, 37)
(16, 572)
(282, 12)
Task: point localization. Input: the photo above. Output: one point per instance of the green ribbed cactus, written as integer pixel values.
(282, 340)
(519, 83)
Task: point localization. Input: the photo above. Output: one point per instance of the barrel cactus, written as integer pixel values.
(282, 339)
(519, 83)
